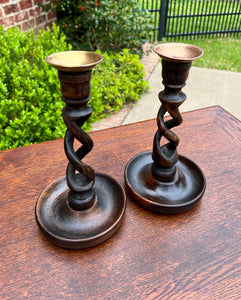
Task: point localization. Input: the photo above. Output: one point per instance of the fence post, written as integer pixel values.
(162, 20)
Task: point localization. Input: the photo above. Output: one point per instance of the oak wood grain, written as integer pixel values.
(194, 255)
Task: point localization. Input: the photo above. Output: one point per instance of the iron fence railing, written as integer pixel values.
(180, 19)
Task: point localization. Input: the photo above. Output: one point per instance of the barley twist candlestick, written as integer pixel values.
(84, 208)
(161, 180)
(76, 112)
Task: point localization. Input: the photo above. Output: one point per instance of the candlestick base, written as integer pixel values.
(176, 196)
(78, 229)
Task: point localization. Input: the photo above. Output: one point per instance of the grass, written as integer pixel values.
(203, 18)
(219, 53)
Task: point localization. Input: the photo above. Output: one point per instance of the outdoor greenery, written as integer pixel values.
(204, 16)
(219, 53)
(30, 98)
(102, 24)
(186, 17)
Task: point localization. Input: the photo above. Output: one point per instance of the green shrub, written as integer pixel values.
(117, 80)
(30, 106)
(104, 24)
(30, 98)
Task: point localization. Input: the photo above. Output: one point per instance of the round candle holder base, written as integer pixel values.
(78, 229)
(176, 196)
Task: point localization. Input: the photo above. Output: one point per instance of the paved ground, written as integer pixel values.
(204, 87)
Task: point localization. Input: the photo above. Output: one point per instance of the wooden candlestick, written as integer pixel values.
(81, 209)
(161, 180)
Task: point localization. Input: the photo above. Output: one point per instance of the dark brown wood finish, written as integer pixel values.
(81, 209)
(161, 180)
(194, 255)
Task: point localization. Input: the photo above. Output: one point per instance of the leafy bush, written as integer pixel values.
(103, 24)
(118, 79)
(30, 108)
(30, 98)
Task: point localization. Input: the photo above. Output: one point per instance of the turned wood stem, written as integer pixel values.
(165, 157)
(75, 88)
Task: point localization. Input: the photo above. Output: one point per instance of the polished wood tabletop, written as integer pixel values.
(193, 255)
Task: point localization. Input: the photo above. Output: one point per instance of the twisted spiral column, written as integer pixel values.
(165, 157)
(80, 176)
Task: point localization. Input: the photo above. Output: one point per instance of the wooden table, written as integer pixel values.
(195, 255)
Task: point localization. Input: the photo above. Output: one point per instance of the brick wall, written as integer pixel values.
(25, 14)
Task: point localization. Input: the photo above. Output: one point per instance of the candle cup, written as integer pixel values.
(161, 180)
(83, 208)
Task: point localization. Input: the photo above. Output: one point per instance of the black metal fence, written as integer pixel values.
(180, 19)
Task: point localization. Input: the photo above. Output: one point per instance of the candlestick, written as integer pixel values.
(83, 208)
(161, 180)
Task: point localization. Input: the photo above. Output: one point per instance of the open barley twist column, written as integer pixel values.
(165, 157)
(161, 180)
(80, 177)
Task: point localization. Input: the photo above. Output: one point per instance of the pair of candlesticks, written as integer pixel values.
(84, 208)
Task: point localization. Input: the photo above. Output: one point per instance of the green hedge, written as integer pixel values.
(30, 98)
(106, 25)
